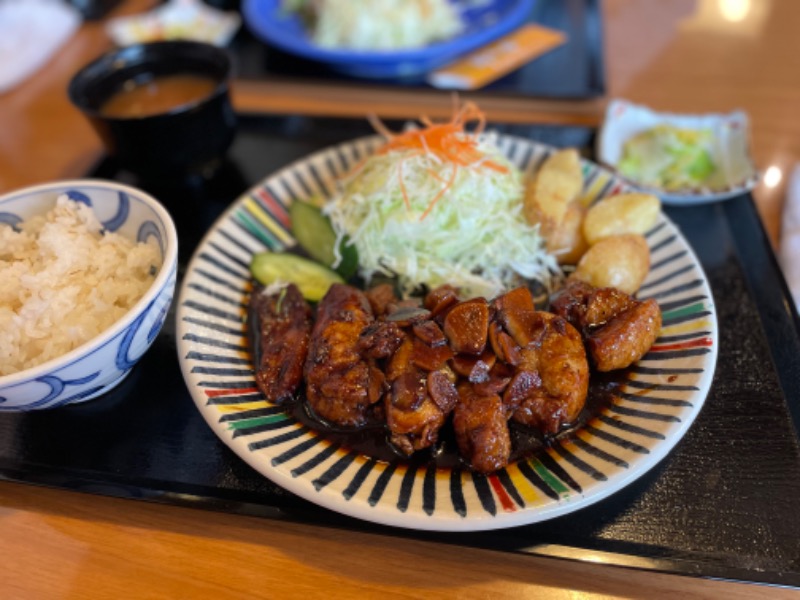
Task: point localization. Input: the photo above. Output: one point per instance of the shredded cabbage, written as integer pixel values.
(473, 235)
(670, 158)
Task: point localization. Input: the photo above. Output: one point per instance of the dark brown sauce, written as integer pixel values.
(158, 95)
(372, 440)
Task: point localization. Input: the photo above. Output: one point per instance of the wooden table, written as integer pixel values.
(682, 56)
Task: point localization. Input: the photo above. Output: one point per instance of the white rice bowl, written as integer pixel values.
(87, 276)
(63, 282)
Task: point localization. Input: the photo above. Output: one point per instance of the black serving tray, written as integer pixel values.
(574, 70)
(721, 504)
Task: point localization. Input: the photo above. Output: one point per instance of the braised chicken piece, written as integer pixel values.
(416, 363)
(497, 381)
(522, 386)
(341, 384)
(421, 396)
(380, 339)
(587, 307)
(551, 379)
(515, 313)
(380, 298)
(283, 320)
(475, 369)
(618, 329)
(413, 418)
(440, 299)
(625, 338)
(481, 427)
(558, 357)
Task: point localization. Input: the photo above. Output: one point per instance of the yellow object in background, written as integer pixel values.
(491, 62)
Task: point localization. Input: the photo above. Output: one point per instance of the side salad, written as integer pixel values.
(439, 205)
(669, 158)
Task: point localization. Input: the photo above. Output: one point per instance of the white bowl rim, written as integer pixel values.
(698, 195)
(167, 265)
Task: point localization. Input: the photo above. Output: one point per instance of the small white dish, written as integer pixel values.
(176, 20)
(730, 150)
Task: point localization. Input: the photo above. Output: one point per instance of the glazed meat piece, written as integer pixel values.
(503, 345)
(474, 368)
(556, 354)
(412, 416)
(380, 298)
(515, 312)
(430, 333)
(626, 338)
(587, 307)
(481, 429)
(283, 321)
(466, 326)
(419, 400)
(617, 328)
(380, 339)
(604, 304)
(430, 358)
(341, 384)
(521, 386)
(406, 312)
(550, 371)
(440, 299)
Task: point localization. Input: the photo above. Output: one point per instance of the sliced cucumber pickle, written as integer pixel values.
(314, 232)
(311, 278)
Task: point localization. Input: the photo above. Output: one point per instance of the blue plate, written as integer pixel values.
(483, 24)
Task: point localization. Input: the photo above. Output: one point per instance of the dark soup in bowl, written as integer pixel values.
(157, 95)
(162, 109)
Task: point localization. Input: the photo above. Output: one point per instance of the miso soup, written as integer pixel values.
(158, 95)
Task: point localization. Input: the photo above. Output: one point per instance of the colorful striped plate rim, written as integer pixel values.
(652, 410)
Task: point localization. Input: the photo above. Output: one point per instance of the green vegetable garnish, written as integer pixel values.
(313, 231)
(311, 278)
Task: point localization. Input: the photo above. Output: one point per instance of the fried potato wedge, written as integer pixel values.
(566, 240)
(623, 213)
(558, 182)
(618, 261)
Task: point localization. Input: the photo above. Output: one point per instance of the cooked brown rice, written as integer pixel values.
(63, 282)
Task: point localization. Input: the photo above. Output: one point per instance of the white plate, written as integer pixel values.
(731, 149)
(658, 402)
(176, 20)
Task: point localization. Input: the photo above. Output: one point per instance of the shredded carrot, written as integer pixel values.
(378, 126)
(448, 141)
(435, 175)
(406, 201)
(441, 193)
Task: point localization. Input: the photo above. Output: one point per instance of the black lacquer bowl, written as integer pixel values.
(190, 138)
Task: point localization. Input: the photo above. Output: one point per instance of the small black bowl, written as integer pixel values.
(189, 139)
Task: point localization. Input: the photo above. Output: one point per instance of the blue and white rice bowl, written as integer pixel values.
(101, 363)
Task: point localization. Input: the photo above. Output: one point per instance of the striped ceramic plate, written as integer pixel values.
(648, 414)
